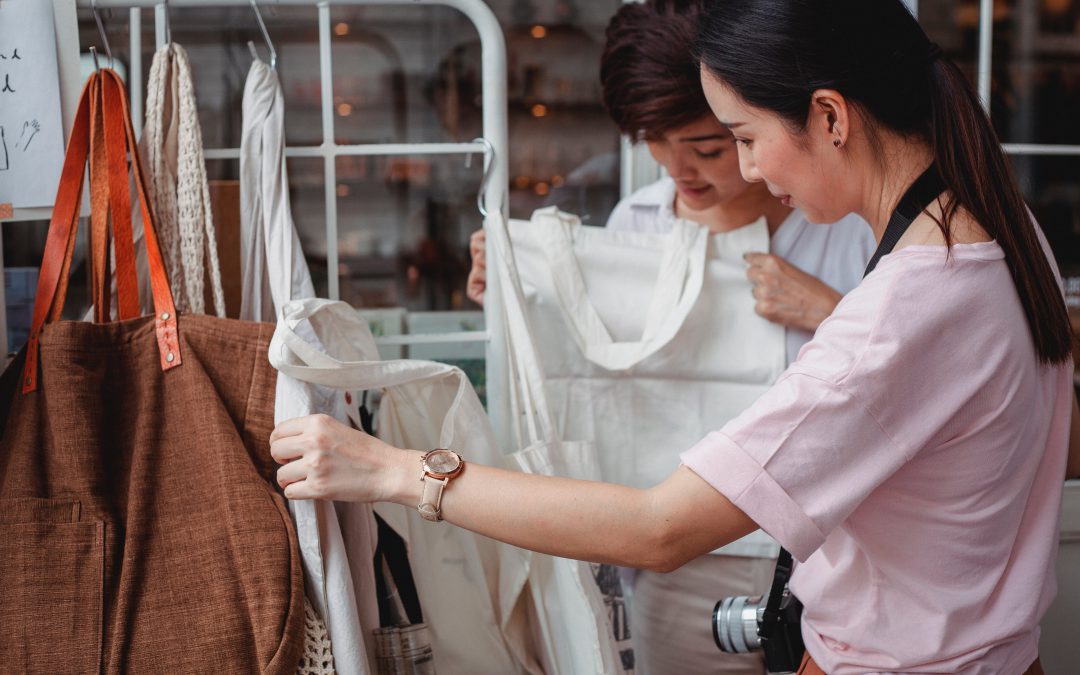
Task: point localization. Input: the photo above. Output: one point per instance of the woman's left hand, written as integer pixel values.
(324, 459)
(788, 296)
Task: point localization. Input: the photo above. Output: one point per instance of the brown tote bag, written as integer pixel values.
(140, 529)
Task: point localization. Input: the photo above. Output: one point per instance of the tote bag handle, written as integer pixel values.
(102, 133)
(528, 400)
(678, 286)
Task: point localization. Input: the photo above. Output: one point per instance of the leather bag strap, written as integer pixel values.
(102, 129)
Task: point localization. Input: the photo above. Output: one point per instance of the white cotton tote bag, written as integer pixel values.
(337, 541)
(568, 611)
(665, 344)
(424, 405)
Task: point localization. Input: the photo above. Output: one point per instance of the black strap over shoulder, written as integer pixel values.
(922, 192)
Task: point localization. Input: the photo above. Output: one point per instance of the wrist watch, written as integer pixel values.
(440, 465)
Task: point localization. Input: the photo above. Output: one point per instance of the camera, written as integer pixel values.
(744, 624)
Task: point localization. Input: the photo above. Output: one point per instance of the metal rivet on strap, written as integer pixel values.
(164, 316)
(170, 357)
(29, 380)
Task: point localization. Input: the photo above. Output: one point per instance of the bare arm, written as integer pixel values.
(660, 528)
(1073, 469)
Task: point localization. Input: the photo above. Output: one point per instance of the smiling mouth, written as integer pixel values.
(694, 190)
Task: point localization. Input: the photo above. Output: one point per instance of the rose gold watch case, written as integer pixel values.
(429, 471)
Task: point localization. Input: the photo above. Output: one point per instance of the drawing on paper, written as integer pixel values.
(29, 130)
(31, 124)
(4, 161)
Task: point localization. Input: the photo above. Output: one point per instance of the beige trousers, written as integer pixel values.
(671, 615)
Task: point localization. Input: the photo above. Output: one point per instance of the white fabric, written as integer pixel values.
(682, 378)
(268, 237)
(459, 575)
(337, 541)
(836, 253)
(569, 613)
(172, 148)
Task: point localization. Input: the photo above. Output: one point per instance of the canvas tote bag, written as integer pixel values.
(337, 541)
(424, 405)
(140, 527)
(574, 619)
(665, 344)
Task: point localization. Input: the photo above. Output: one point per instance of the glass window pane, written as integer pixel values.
(403, 230)
(1036, 72)
(954, 25)
(1052, 188)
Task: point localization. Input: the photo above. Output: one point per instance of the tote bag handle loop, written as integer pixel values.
(678, 286)
(102, 133)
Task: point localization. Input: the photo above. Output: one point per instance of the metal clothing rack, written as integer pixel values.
(493, 146)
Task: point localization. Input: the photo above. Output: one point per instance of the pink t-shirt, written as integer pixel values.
(913, 460)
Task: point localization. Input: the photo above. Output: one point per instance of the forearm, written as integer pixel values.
(598, 522)
(658, 529)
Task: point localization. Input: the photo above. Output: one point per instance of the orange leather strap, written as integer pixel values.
(103, 100)
(117, 148)
(165, 325)
(99, 208)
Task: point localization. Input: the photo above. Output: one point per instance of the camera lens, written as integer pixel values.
(735, 624)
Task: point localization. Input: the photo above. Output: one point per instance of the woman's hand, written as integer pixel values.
(324, 459)
(788, 296)
(477, 283)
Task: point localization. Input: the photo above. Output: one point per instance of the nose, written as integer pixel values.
(747, 167)
(680, 168)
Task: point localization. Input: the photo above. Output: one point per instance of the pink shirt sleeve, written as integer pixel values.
(853, 409)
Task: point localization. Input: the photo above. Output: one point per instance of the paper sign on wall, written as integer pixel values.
(31, 129)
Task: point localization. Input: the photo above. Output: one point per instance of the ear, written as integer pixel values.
(830, 116)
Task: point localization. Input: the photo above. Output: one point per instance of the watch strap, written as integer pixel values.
(430, 507)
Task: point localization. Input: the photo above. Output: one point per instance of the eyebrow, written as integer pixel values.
(709, 137)
(731, 125)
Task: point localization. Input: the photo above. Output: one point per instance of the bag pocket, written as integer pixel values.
(51, 606)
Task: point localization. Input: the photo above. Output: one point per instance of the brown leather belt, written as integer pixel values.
(808, 667)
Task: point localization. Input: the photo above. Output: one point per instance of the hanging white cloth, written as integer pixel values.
(665, 345)
(337, 541)
(459, 575)
(573, 617)
(267, 234)
(172, 151)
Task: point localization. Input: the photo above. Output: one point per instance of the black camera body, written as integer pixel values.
(773, 626)
(781, 635)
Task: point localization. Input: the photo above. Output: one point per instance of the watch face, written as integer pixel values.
(442, 461)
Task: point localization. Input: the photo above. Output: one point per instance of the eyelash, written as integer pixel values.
(708, 155)
(743, 141)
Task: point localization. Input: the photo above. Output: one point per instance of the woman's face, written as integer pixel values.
(805, 170)
(702, 159)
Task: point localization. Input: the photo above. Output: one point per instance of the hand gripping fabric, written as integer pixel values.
(459, 575)
(140, 527)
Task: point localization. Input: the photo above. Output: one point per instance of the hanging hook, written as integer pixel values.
(489, 166)
(101, 32)
(168, 23)
(266, 36)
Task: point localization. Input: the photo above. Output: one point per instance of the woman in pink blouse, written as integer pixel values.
(912, 458)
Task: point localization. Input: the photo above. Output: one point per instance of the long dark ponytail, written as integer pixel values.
(775, 53)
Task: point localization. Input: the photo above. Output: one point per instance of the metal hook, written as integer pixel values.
(101, 32)
(266, 36)
(168, 23)
(489, 166)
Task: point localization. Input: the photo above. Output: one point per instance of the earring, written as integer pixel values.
(837, 143)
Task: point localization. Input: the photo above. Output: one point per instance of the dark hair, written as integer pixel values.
(648, 70)
(775, 53)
